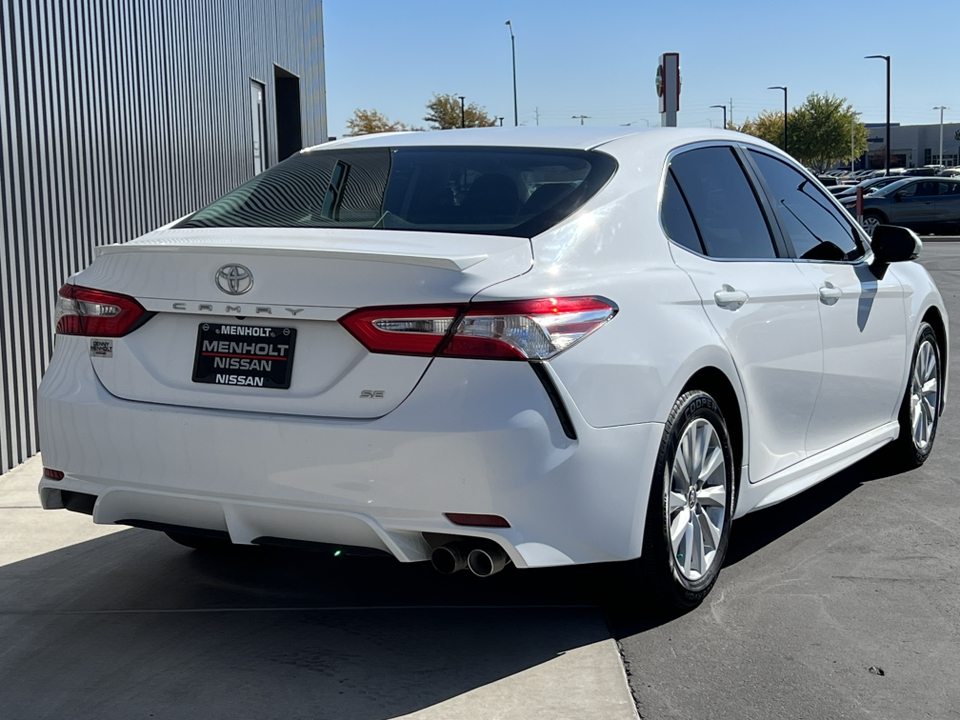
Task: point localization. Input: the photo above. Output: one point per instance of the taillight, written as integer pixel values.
(416, 330)
(84, 311)
(511, 330)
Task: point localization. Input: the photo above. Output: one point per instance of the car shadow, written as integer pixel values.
(133, 625)
(763, 527)
(754, 532)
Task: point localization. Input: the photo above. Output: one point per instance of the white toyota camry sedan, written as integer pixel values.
(528, 346)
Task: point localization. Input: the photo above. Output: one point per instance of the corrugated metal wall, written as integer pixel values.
(117, 116)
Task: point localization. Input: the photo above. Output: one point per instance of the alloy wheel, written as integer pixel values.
(696, 497)
(924, 394)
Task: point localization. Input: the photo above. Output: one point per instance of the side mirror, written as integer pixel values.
(892, 244)
(898, 196)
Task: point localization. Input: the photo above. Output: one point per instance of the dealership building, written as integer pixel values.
(117, 117)
(911, 145)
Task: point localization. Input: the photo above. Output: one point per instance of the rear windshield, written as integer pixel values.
(484, 190)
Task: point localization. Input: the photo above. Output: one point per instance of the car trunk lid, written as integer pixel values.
(230, 303)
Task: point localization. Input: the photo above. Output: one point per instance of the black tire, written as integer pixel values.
(675, 586)
(906, 452)
(204, 543)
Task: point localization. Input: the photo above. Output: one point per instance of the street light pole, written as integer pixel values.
(781, 87)
(853, 118)
(724, 114)
(941, 108)
(513, 47)
(581, 118)
(887, 58)
(463, 112)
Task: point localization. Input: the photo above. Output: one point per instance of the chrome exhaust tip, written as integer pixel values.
(448, 559)
(487, 561)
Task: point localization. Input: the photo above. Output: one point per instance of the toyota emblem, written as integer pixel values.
(234, 279)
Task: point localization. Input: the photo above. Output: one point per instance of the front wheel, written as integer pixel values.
(920, 409)
(690, 510)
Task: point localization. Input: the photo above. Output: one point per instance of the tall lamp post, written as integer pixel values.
(853, 120)
(581, 117)
(781, 87)
(887, 58)
(724, 114)
(463, 112)
(513, 47)
(941, 108)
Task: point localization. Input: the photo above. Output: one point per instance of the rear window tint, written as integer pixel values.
(491, 191)
(724, 206)
(676, 217)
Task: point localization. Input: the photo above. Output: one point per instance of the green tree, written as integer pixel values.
(443, 112)
(766, 126)
(818, 132)
(366, 122)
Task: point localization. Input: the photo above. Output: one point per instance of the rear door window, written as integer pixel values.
(725, 209)
(676, 217)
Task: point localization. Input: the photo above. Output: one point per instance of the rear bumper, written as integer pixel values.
(474, 437)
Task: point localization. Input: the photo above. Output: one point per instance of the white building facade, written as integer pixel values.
(912, 145)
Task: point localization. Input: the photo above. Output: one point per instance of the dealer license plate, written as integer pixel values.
(244, 355)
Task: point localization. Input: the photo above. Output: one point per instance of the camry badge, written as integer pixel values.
(234, 279)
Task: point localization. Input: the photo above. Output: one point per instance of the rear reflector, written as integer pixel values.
(89, 312)
(474, 520)
(52, 474)
(513, 330)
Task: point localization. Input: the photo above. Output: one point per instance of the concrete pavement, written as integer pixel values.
(103, 622)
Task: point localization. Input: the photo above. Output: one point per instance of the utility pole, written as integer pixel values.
(582, 117)
(463, 112)
(537, 111)
(731, 112)
(501, 121)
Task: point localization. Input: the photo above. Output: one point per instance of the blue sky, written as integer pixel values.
(599, 58)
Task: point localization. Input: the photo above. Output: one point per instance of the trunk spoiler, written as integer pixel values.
(457, 263)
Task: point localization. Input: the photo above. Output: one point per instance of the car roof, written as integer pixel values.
(573, 138)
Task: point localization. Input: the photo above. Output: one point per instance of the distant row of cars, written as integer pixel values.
(926, 199)
(924, 203)
(845, 177)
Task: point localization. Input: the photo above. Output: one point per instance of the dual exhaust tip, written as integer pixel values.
(483, 560)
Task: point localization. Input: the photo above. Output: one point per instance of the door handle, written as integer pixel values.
(830, 294)
(730, 298)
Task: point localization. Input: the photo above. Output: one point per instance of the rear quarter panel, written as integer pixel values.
(632, 369)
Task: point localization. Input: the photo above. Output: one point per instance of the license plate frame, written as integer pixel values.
(238, 355)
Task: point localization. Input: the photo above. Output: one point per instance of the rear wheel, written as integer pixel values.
(920, 409)
(691, 503)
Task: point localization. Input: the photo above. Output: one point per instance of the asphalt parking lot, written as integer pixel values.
(859, 572)
(840, 603)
